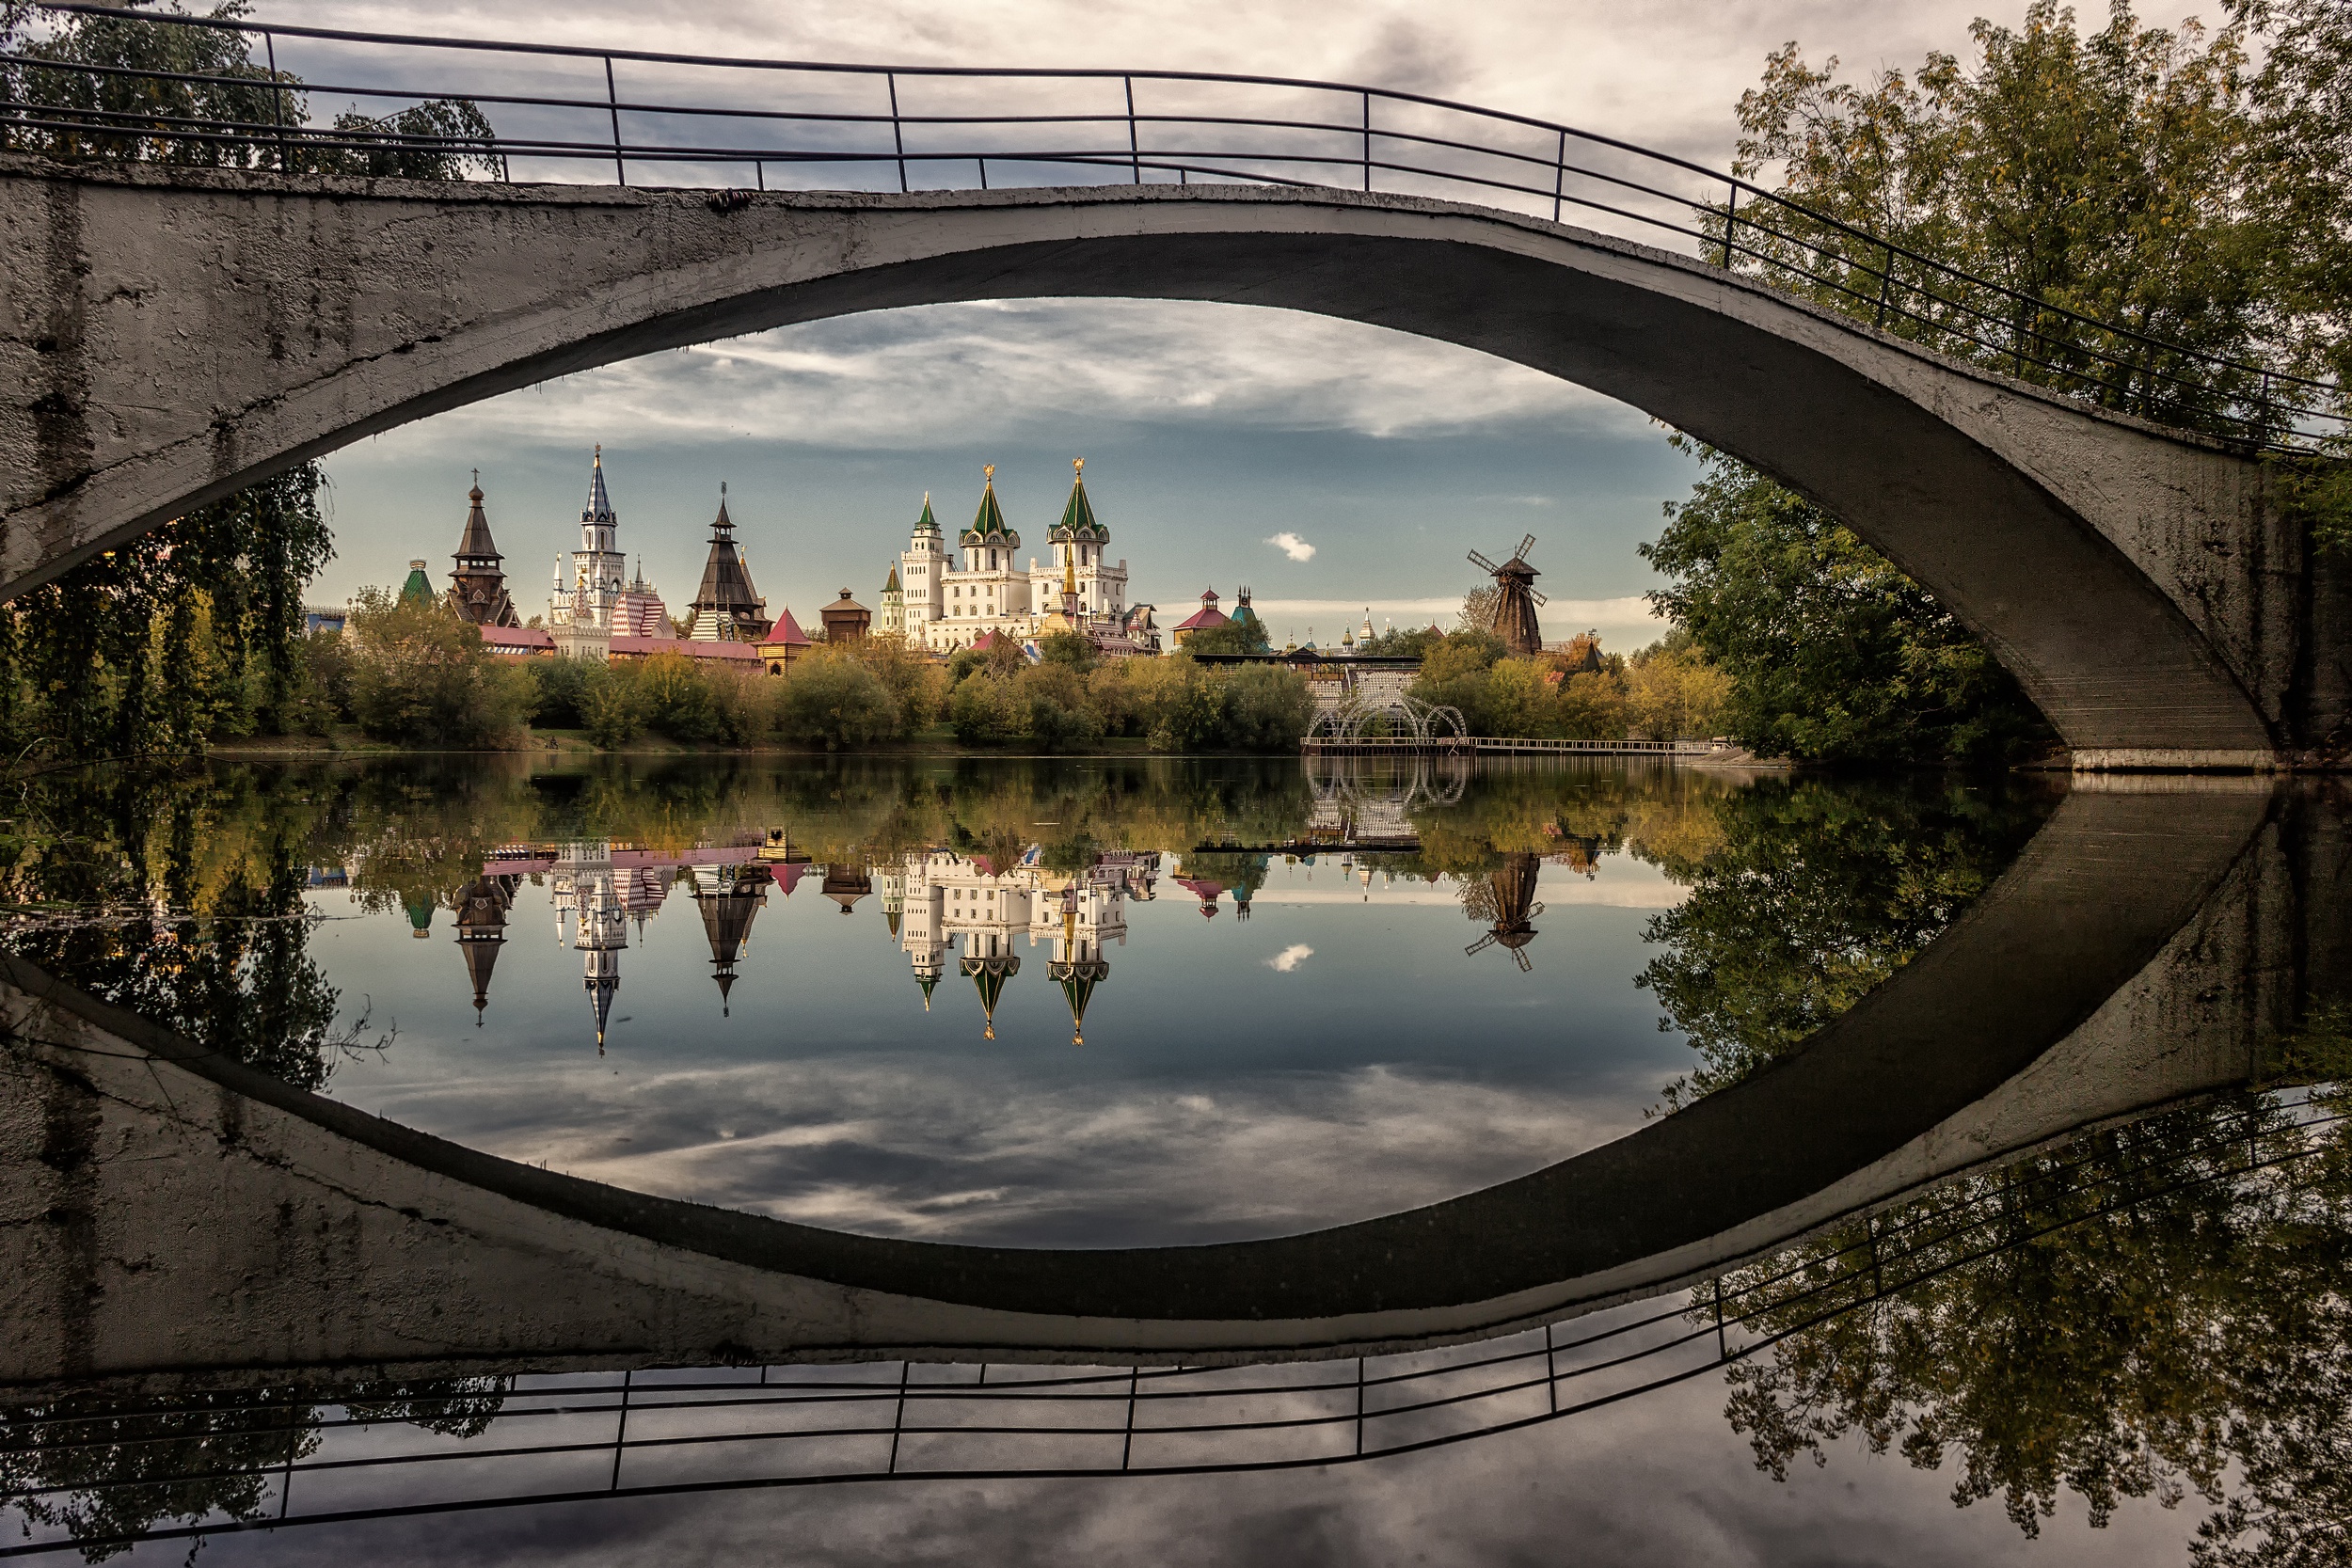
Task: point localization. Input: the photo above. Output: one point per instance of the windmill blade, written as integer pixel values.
(1536, 596)
(1527, 546)
(1484, 563)
(1520, 953)
(1479, 946)
(1534, 911)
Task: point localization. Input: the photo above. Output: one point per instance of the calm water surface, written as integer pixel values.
(1106, 1003)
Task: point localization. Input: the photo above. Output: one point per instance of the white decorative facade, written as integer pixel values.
(601, 603)
(949, 605)
(963, 909)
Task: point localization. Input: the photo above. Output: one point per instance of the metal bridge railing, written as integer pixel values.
(214, 1464)
(573, 113)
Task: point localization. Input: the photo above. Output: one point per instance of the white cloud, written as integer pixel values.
(1006, 371)
(1290, 958)
(1293, 546)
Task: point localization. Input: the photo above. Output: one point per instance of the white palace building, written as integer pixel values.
(942, 606)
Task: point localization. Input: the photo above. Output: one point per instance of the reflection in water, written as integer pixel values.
(2151, 1310)
(2155, 1310)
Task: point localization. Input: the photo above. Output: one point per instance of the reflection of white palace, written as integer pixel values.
(945, 899)
(933, 901)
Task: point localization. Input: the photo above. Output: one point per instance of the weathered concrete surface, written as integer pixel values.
(166, 336)
(166, 1216)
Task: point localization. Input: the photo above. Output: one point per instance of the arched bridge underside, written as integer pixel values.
(169, 335)
(171, 1215)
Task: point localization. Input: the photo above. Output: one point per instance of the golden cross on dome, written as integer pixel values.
(988, 470)
(1079, 464)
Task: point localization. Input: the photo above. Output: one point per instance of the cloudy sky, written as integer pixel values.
(1331, 467)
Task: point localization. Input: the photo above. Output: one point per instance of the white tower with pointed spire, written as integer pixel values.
(583, 618)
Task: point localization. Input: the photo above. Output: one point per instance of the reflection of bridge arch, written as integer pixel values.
(2047, 1007)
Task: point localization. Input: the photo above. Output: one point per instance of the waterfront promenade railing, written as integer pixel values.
(564, 112)
(1685, 751)
(294, 1456)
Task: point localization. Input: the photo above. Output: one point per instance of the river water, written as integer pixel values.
(1105, 1006)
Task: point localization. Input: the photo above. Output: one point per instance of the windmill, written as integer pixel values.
(1516, 599)
(1509, 900)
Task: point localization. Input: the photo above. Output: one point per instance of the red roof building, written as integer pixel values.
(785, 642)
(1207, 616)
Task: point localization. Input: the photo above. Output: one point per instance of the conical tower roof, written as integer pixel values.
(726, 592)
(481, 931)
(988, 978)
(601, 989)
(475, 544)
(988, 523)
(1077, 516)
(599, 507)
(927, 982)
(890, 585)
(419, 587)
(926, 523)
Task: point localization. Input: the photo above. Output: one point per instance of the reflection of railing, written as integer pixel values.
(861, 126)
(633, 1434)
(1453, 744)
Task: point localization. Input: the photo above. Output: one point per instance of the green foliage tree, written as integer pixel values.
(2173, 1313)
(1806, 897)
(420, 673)
(1233, 637)
(2102, 174)
(192, 630)
(1833, 654)
(160, 92)
(832, 698)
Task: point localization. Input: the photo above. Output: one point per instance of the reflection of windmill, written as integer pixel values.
(1510, 891)
(1516, 599)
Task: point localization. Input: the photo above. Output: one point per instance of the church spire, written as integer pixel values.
(599, 507)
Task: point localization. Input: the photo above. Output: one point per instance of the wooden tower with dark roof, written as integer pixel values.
(481, 931)
(726, 608)
(1514, 599)
(478, 586)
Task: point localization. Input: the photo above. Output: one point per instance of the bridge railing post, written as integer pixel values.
(897, 131)
(1731, 222)
(277, 96)
(1367, 141)
(1134, 151)
(1559, 175)
(612, 101)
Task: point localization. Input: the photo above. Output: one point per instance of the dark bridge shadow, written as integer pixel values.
(201, 1220)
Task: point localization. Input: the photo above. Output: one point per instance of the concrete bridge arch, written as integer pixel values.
(167, 336)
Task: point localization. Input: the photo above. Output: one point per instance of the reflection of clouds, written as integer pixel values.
(969, 1150)
(1290, 958)
(1658, 1481)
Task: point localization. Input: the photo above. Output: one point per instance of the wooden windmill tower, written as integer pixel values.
(1509, 901)
(1516, 599)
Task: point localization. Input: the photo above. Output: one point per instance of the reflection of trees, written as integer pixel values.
(2165, 1308)
(1812, 894)
(179, 897)
(102, 1469)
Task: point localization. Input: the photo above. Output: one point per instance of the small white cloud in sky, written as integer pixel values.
(1290, 958)
(1293, 546)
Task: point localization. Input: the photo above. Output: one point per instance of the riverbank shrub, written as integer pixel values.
(420, 672)
(1833, 654)
(833, 697)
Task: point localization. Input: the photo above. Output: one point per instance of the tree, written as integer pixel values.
(2100, 176)
(420, 673)
(1805, 897)
(830, 698)
(1831, 653)
(1233, 637)
(1673, 692)
(2167, 1318)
